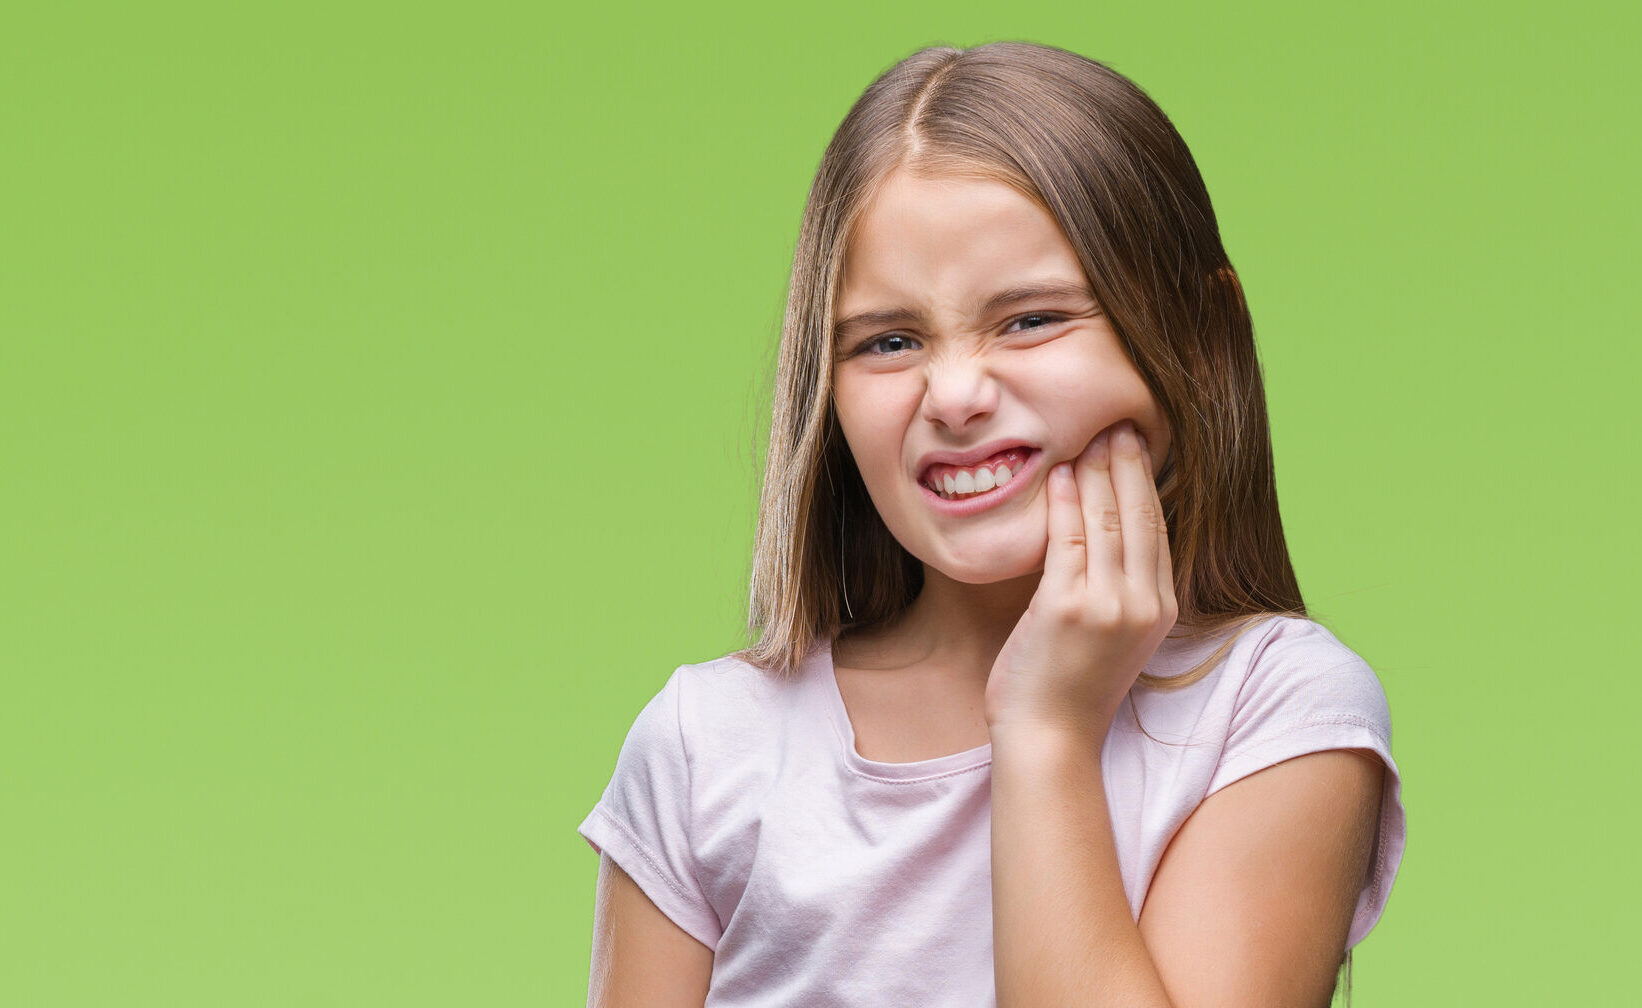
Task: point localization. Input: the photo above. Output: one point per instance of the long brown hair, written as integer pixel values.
(1096, 152)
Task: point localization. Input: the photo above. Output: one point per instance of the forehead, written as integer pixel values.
(936, 239)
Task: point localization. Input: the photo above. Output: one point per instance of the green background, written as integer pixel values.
(381, 393)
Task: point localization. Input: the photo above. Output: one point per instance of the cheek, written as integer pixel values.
(1102, 394)
(873, 419)
(865, 444)
(847, 410)
(1148, 414)
(876, 454)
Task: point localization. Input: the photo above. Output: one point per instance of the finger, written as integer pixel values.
(1100, 516)
(1138, 506)
(1165, 561)
(1067, 556)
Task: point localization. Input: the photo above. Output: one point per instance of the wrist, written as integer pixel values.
(1050, 737)
(1078, 716)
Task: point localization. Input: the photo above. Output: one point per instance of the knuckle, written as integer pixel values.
(1109, 520)
(1106, 616)
(1145, 614)
(1065, 615)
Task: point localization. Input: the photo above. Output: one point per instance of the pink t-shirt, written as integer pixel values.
(819, 878)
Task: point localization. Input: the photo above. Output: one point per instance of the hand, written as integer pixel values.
(1106, 599)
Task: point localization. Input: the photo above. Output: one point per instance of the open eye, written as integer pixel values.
(887, 345)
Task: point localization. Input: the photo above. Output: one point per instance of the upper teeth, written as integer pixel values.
(966, 481)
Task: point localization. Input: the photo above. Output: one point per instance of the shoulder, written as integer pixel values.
(728, 682)
(1290, 687)
(1297, 671)
(1284, 687)
(727, 706)
(1276, 654)
(729, 674)
(697, 697)
(705, 719)
(1282, 683)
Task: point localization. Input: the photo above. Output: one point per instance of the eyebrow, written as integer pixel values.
(1002, 299)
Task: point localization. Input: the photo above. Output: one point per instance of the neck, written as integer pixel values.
(954, 627)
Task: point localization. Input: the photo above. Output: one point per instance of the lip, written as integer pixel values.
(990, 499)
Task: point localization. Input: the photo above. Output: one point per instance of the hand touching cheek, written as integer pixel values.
(1105, 601)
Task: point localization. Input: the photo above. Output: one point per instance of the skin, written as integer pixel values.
(640, 957)
(1043, 611)
(1050, 371)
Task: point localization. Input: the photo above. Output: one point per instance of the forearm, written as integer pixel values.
(1063, 934)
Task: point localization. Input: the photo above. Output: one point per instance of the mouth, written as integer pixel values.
(987, 478)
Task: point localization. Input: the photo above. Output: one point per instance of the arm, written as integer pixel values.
(1253, 899)
(1255, 895)
(1250, 905)
(641, 959)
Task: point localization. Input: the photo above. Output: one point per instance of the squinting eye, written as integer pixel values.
(1046, 319)
(883, 346)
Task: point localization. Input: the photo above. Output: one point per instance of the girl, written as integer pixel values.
(1034, 716)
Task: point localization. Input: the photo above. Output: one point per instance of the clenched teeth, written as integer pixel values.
(967, 482)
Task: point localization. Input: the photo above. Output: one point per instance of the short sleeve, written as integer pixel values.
(1306, 692)
(642, 820)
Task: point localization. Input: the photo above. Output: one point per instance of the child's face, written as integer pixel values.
(1021, 385)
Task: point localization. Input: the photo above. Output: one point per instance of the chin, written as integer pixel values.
(991, 570)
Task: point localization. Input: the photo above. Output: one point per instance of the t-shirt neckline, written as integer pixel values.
(940, 766)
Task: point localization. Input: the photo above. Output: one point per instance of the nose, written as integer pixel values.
(958, 392)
